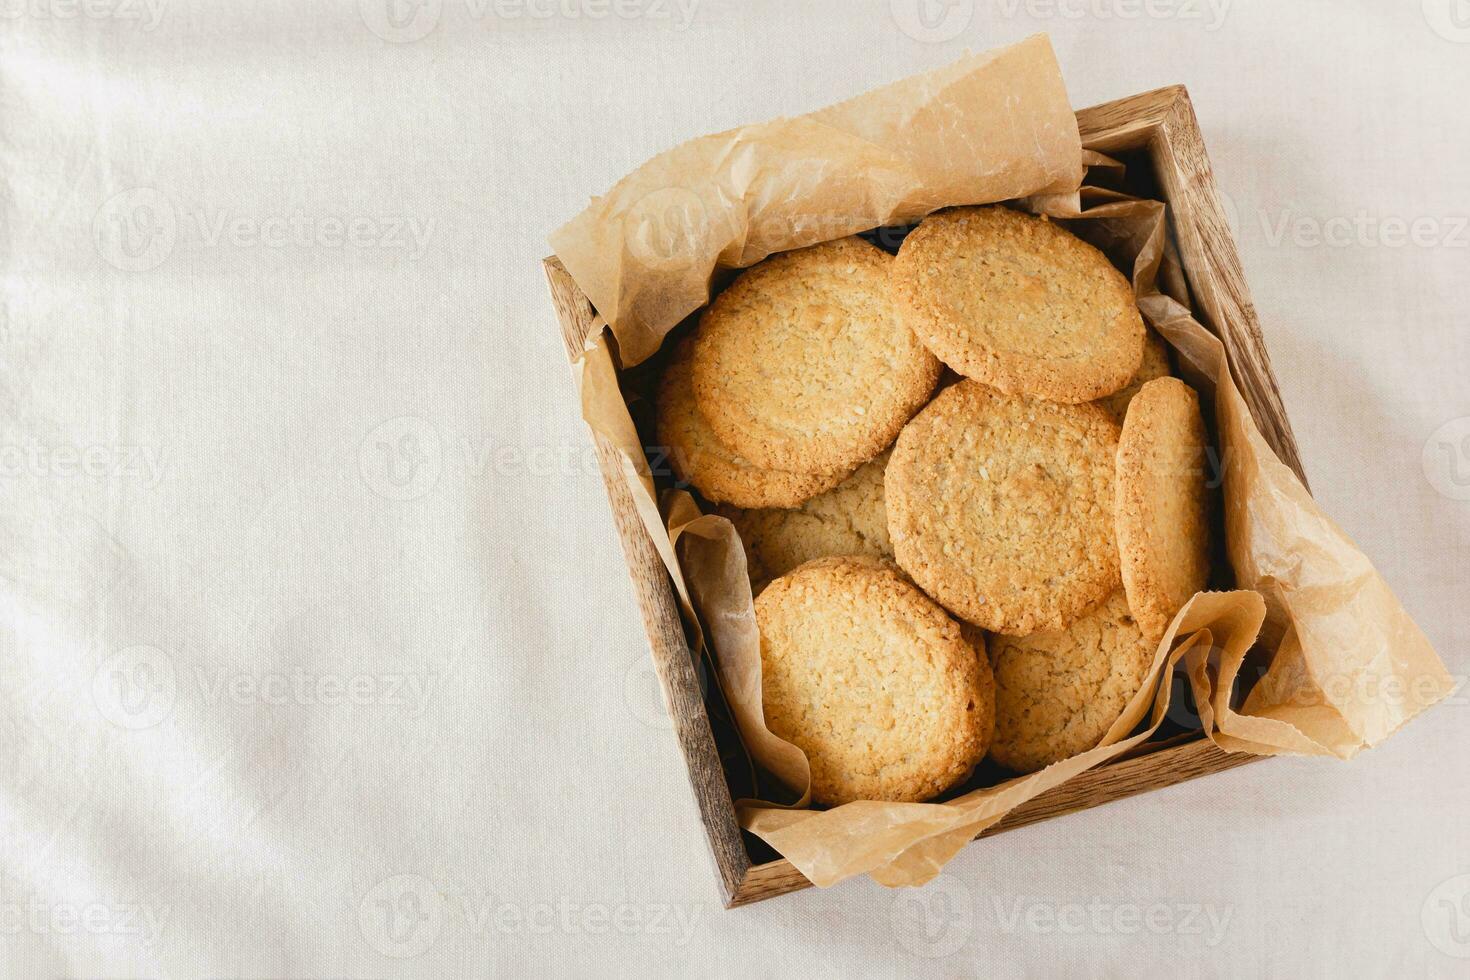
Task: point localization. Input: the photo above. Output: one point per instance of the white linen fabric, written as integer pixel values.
(317, 652)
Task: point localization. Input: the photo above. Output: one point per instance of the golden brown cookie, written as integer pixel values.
(847, 520)
(802, 365)
(698, 458)
(1019, 303)
(1155, 365)
(1163, 504)
(869, 677)
(1001, 507)
(1058, 693)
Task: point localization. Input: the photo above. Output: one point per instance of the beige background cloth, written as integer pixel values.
(317, 653)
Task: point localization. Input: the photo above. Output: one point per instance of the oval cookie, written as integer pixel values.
(1155, 365)
(868, 677)
(1163, 507)
(1001, 507)
(1058, 693)
(802, 365)
(1019, 303)
(698, 458)
(849, 519)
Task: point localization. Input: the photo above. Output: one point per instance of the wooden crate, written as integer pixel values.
(1157, 130)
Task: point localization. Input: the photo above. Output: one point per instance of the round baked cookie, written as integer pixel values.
(698, 458)
(802, 365)
(847, 520)
(1163, 505)
(1019, 303)
(1058, 693)
(869, 677)
(1155, 365)
(1001, 507)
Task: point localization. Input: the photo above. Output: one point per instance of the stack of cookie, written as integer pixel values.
(940, 577)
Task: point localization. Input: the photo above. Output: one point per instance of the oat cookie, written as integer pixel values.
(1058, 693)
(698, 458)
(1155, 365)
(847, 520)
(1163, 504)
(802, 365)
(872, 680)
(1019, 303)
(1001, 507)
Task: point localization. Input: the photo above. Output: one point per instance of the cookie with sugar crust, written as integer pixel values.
(1019, 303)
(1058, 693)
(849, 519)
(1163, 503)
(699, 458)
(1002, 507)
(801, 364)
(1155, 364)
(873, 681)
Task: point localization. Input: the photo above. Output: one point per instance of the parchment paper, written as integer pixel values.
(1345, 666)
(986, 128)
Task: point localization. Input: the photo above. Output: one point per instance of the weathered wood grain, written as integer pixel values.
(1129, 123)
(1216, 278)
(671, 655)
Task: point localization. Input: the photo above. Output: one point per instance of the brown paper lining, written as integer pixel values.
(989, 127)
(1346, 667)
